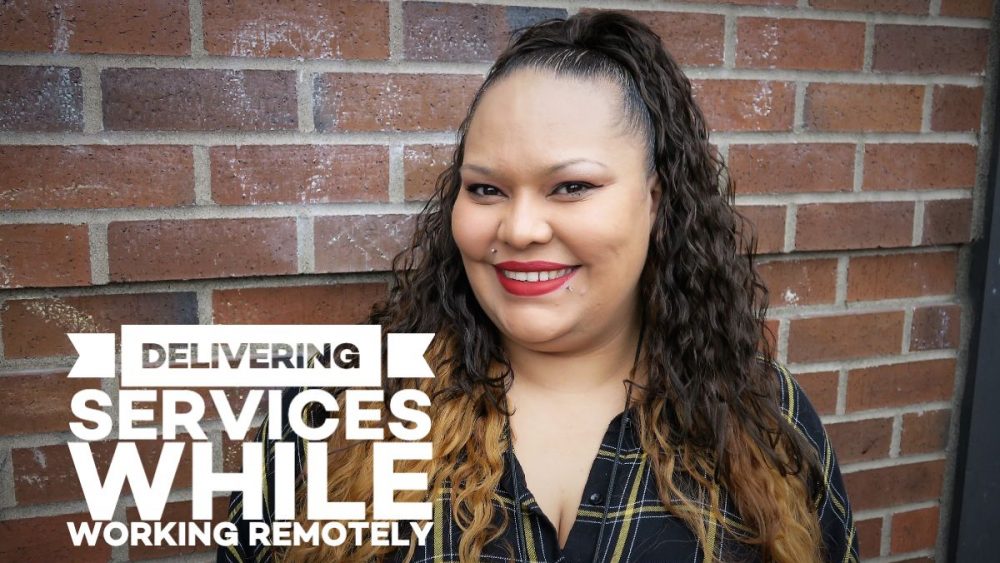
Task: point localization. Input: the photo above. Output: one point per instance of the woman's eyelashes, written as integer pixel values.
(571, 190)
(483, 190)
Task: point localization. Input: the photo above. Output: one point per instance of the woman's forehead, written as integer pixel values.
(533, 100)
(533, 116)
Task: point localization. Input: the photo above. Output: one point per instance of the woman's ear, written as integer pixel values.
(655, 193)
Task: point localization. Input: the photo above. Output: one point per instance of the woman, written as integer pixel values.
(593, 295)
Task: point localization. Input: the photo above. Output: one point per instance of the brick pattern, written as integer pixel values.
(253, 175)
(799, 44)
(882, 108)
(156, 27)
(312, 30)
(177, 162)
(200, 248)
(145, 99)
(41, 98)
(44, 255)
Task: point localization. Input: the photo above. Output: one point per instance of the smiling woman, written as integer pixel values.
(547, 194)
(605, 388)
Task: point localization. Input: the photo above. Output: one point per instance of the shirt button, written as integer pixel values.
(596, 498)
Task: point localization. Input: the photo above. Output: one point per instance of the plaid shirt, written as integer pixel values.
(638, 527)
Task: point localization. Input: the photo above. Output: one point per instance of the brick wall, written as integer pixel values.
(200, 161)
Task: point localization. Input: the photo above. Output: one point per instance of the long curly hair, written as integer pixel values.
(709, 416)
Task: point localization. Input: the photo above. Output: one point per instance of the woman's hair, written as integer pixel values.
(709, 416)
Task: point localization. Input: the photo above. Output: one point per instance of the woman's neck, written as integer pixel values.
(597, 370)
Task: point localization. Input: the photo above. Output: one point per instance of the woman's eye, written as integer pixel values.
(573, 188)
(483, 190)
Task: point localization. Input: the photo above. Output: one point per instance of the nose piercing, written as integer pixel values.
(493, 251)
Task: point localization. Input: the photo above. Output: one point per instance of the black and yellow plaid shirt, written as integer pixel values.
(638, 527)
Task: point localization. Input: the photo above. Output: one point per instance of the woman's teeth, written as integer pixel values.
(536, 276)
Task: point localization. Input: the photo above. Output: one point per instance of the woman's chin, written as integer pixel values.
(537, 332)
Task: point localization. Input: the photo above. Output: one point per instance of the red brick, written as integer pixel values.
(841, 226)
(692, 39)
(39, 402)
(800, 282)
(36, 328)
(915, 7)
(936, 327)
(157, 27)
(422, 164)
(821, 388)
(792, 168)
(165, 99)
(44, 255)
(95, 176)
(770, 333)
(392, 102)
(46, 538)
(360, 243)
(769, 222)
(967, 8)
(746, 2)
(439, 31)
(301, 28)
(179, 511)
(40, 98)
(861, 440)
(931, 49)
(894, 485)
(947, 221)
(869, 534)
(914, 530)
(201, 248)
(261, 174)
(899, 166)
(746, 105)
(46, 474)
(799, 44)
(860, 335)
(900, 384)
(925, 432)
(897, 276)
(344, 303)
(956, 108)
(863, 107)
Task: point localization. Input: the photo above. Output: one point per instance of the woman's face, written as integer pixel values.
(552, 181)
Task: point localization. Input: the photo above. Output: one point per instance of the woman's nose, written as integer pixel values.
(525, 222)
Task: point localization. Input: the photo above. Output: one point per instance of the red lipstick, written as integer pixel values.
(526, 288)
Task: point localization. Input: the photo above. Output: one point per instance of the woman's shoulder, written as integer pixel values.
(830, 495)
(797, 408)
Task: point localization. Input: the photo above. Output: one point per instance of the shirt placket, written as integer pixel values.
(541, 534)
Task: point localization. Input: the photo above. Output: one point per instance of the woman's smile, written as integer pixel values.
(530, 279)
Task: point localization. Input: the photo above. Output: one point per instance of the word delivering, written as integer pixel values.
(181, 412)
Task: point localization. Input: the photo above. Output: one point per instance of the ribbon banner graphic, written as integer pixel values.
(219, 356)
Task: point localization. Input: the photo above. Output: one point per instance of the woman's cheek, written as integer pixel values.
(469, 229)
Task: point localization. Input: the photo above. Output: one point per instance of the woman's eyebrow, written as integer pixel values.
(554, 168)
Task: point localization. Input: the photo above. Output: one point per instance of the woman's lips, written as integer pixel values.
(528, 279)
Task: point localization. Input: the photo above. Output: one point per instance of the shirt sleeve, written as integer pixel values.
(833, 508)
